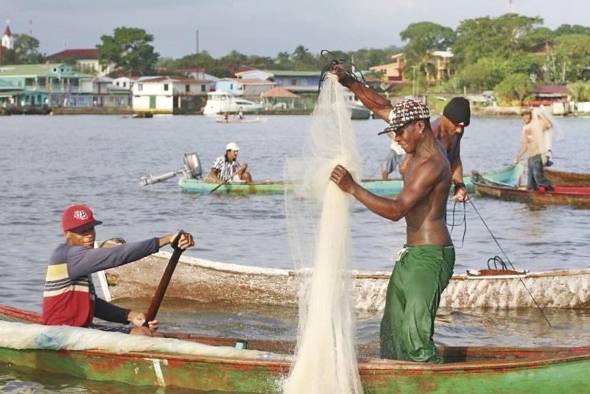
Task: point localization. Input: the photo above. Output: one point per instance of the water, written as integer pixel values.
(49, 162)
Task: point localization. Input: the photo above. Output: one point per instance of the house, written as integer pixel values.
(396, 71)
(86, 61)
(162, 94)
(557, 97)
(53, 84)
(197, 73)
(279, 98)
(244, 87)
(392, 72)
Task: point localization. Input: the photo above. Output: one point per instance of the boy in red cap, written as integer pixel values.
(426, 262)
(447, 129)
(69, 297)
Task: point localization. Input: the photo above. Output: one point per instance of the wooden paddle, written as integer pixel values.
(161, 290)
(221, 184)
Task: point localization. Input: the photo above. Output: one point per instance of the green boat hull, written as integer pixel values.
(380, 187)
(466, 369)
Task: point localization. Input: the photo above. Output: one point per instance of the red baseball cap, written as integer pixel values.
(78, 218)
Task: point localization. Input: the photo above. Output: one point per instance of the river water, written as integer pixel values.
(49, 162)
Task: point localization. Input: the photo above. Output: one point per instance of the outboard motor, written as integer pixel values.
(192, 166)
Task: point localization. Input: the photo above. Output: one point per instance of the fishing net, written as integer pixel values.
(553, 133)
(14, 335)
(318, 214)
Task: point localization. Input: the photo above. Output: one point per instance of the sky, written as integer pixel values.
(259, 27)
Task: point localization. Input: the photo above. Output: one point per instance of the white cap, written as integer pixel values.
(232, 146)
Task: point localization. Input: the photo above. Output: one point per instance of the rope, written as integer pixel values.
(463, 223)
(510, 262)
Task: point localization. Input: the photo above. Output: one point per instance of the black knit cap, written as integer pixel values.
(458, 111)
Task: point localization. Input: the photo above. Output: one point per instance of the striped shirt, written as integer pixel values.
(69, 297)
(225, 169)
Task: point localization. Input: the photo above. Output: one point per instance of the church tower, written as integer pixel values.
(7, 39)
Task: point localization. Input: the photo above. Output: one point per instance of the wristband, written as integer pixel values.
(459, 185)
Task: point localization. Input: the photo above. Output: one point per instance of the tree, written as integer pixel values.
(572, 57)
(304, 60)
(504, 37)
(572, 29)
(129, 49)
(423, 38)
(515, 87)
(26, 51)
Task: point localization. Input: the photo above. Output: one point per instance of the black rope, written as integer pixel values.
(463, 223)
(510, 262)
(497, 260)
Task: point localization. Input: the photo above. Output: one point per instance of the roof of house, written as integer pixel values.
(250, 81)
(91, 53)
(279, 92)
(552, 89)
(32, 69)
(292, 73)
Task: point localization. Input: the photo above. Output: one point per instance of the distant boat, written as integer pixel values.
(357, 110)
(236, 119)
(219, 102)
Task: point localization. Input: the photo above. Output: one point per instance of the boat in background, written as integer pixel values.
(209, 281)
(220, 102)
(381, 187)
(263, 366)
(238, 120)
(567, 178)
(357, 109)
(575, 196)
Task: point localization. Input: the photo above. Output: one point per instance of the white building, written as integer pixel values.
(168, 94)
(86, 61)
(7, 39)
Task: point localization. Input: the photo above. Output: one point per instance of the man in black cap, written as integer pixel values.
(426, 262)
(448, 128)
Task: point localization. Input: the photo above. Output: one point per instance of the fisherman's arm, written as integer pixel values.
(110, 312)
(389, 208)
(373, 101)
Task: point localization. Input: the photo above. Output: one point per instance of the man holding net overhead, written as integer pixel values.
(425, 264)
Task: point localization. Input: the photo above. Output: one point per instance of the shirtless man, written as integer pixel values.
(448, 128)
(426, 262)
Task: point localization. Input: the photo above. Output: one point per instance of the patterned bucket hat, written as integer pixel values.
(404, 112)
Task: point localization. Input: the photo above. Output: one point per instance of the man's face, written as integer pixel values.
(84, 239)
(232, 155)
(407, 136)
(526, 118)
(452, 128)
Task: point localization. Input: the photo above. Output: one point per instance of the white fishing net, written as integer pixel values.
(318, 214)
(14, 335)
(553, 133)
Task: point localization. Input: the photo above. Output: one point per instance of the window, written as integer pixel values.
(187, 88)
(124, 84)
(293, 82)
(165, 87)
(203, 88)
(140, 87)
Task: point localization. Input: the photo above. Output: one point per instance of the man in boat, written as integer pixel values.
(532, 142)
(392, 160)
(227, 168)
(425, 264)
(448, 128)
(69, 297)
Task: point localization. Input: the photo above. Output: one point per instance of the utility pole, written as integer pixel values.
(511, 9)
(197, 41)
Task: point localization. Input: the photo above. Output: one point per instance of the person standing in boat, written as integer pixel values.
(448, 128)
(392, 160)
(226, 168)
(532, 143)
(69, 297)
(425, 264)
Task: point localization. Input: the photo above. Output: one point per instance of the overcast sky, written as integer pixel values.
(260, 27)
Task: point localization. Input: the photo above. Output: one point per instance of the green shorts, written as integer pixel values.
(419, 277)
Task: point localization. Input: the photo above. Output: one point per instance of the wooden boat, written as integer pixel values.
(567, 178)
(576, 196)
(214, 282)
(377, 186)
(482, 370)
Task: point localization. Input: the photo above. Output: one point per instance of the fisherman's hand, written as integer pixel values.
(461, 195)
(344, 76)
(342, 178)
(186, 240)
(136, 318)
